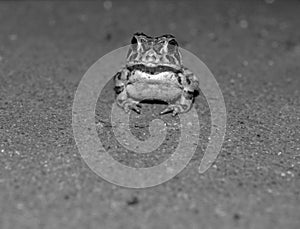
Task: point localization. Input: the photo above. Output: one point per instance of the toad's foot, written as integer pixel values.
(175, 108)
(131, 104)
(182, 106)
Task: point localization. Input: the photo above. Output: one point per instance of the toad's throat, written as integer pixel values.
(165, 78)
(164, 92)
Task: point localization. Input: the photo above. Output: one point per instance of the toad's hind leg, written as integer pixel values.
(183, 105)
(190, 84)
(122, 100)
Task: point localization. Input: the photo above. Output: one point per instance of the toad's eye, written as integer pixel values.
(172, 45)
(134, 41)
(173, 42)
(143, 40)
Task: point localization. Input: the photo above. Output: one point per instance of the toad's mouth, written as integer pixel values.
(159, 81)
(153, 69)
(154, 82)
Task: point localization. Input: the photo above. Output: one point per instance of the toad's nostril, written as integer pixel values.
(151, 57)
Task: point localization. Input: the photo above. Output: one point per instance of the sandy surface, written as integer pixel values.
(252, 48)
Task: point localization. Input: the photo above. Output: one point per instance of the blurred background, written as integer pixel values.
(251, 47)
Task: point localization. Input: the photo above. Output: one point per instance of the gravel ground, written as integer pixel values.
(253, 50)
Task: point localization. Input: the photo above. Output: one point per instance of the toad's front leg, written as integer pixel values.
(190, 84)
(121, 79)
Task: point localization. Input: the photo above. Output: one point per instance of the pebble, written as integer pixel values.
(274, 44)
(172, 26)
(283, 26)
(193, 31)
(107, 5)
(83, 17)
(20, 206)
(211, 36)
(290, 173)
(13, 37)
(51, 22)
(264, 32)
(99, 125)
(245, 63)
(243, 24)
(170, 7)
(220, 212)
(270, 62)
(232, 93)
(297, 50)
(269, 1)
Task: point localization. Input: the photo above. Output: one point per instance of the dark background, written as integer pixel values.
(253, 50)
